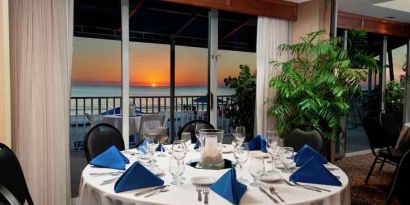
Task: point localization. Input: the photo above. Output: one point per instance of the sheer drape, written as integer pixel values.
(270, 34)
(41, 49)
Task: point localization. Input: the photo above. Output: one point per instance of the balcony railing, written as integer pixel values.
(97, 106)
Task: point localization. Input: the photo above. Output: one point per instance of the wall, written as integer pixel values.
(312, 16)
(5, 120)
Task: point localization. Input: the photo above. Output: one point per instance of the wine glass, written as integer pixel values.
(186, 137)
(179, 150)
(176, 168)
(256, 169)
(271, 145)
(152, 145)
(241, 155)
(286, 157)
(145, 156)
(239, 135)
(162, 138)
(199, 127)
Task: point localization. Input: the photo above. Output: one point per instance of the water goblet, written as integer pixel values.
(271, 146)
(176, 168)
(286, 157)
(179, 150)
(199, 127)
(239, 135)
(256, 169)
(241, 155)
(186, 137)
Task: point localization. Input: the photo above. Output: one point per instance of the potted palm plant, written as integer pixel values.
(315, 85)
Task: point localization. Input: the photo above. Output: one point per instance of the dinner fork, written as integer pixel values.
(106, 173)
(314, 187)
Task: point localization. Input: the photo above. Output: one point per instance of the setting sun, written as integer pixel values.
(153, 85)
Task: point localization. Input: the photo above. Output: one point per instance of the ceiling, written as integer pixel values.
(400, 9)
(155, 22)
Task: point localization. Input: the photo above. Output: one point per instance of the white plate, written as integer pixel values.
(156, 170)
(271, 177)
(203, 180)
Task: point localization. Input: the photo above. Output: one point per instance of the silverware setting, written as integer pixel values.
(163, 189)
(106, 173)
(315, 187)
(150, 190)
(270, 196)
(301, 186)
(273, 191)
(109, 181)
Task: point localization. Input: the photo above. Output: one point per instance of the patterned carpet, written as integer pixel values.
(375, 193)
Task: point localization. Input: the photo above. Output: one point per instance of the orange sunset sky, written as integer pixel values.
(98, 62)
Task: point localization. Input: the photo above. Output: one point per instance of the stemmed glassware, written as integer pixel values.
(152, 145)
(272, 147)
(239, 135)
(186, 137)
(256, 169)
(286, 157)
(162, 137)
(199, 127)
(177, 166)
(241, 155)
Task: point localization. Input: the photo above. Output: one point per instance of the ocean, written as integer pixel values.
(115, 91)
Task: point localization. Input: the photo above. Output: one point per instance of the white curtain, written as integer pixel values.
(41, 50)
(270, 34)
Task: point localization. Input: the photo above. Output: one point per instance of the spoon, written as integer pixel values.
(273, 191)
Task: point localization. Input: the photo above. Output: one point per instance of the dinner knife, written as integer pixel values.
(150, 190)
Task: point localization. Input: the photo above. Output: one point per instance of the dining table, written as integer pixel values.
(116, 121)
(91, 192)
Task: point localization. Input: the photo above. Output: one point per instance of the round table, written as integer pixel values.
(91, 192)
(116, 121)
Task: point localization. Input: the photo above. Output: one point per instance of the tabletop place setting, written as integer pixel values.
(259, 171)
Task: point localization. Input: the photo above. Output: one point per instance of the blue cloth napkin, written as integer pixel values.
(136, 177)
(307, 152)
(258, 143)
(110, 158)
(229, 188)
(197, 145)
(160, 148)
(314, 172)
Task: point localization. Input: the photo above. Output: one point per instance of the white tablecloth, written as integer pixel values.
(92, 193)
(403, 143)
(116, 121)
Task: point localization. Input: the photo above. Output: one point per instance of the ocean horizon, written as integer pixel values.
(115, 91)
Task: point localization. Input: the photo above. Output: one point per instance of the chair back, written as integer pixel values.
(375, 133)
(190, 127)
(101, 137)
(391, 125)
(304, 135)
(12, 177)
(151, 122)
(401, 181)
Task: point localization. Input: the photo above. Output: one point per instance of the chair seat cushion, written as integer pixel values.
(395, 155)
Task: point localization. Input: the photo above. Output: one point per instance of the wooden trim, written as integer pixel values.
(373, 24)
(270, 8)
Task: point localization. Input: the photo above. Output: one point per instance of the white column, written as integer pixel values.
(406, 113)
(125, 71)
(212, 63)
(383, 83)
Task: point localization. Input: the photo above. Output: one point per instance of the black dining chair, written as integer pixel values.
(190, 127)
(391, 124)
(401, 181)
(101, 137)
(13, 187)
(380, 145)
(305, 134)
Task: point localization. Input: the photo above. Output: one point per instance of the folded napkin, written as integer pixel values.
(160, 148)
(110, 158)
(258, 143)
(314, 172)
(229, 188)
(136, 177)
(307, 152)
(197, 145)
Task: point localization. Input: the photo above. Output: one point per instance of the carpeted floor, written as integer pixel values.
(375, 192)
